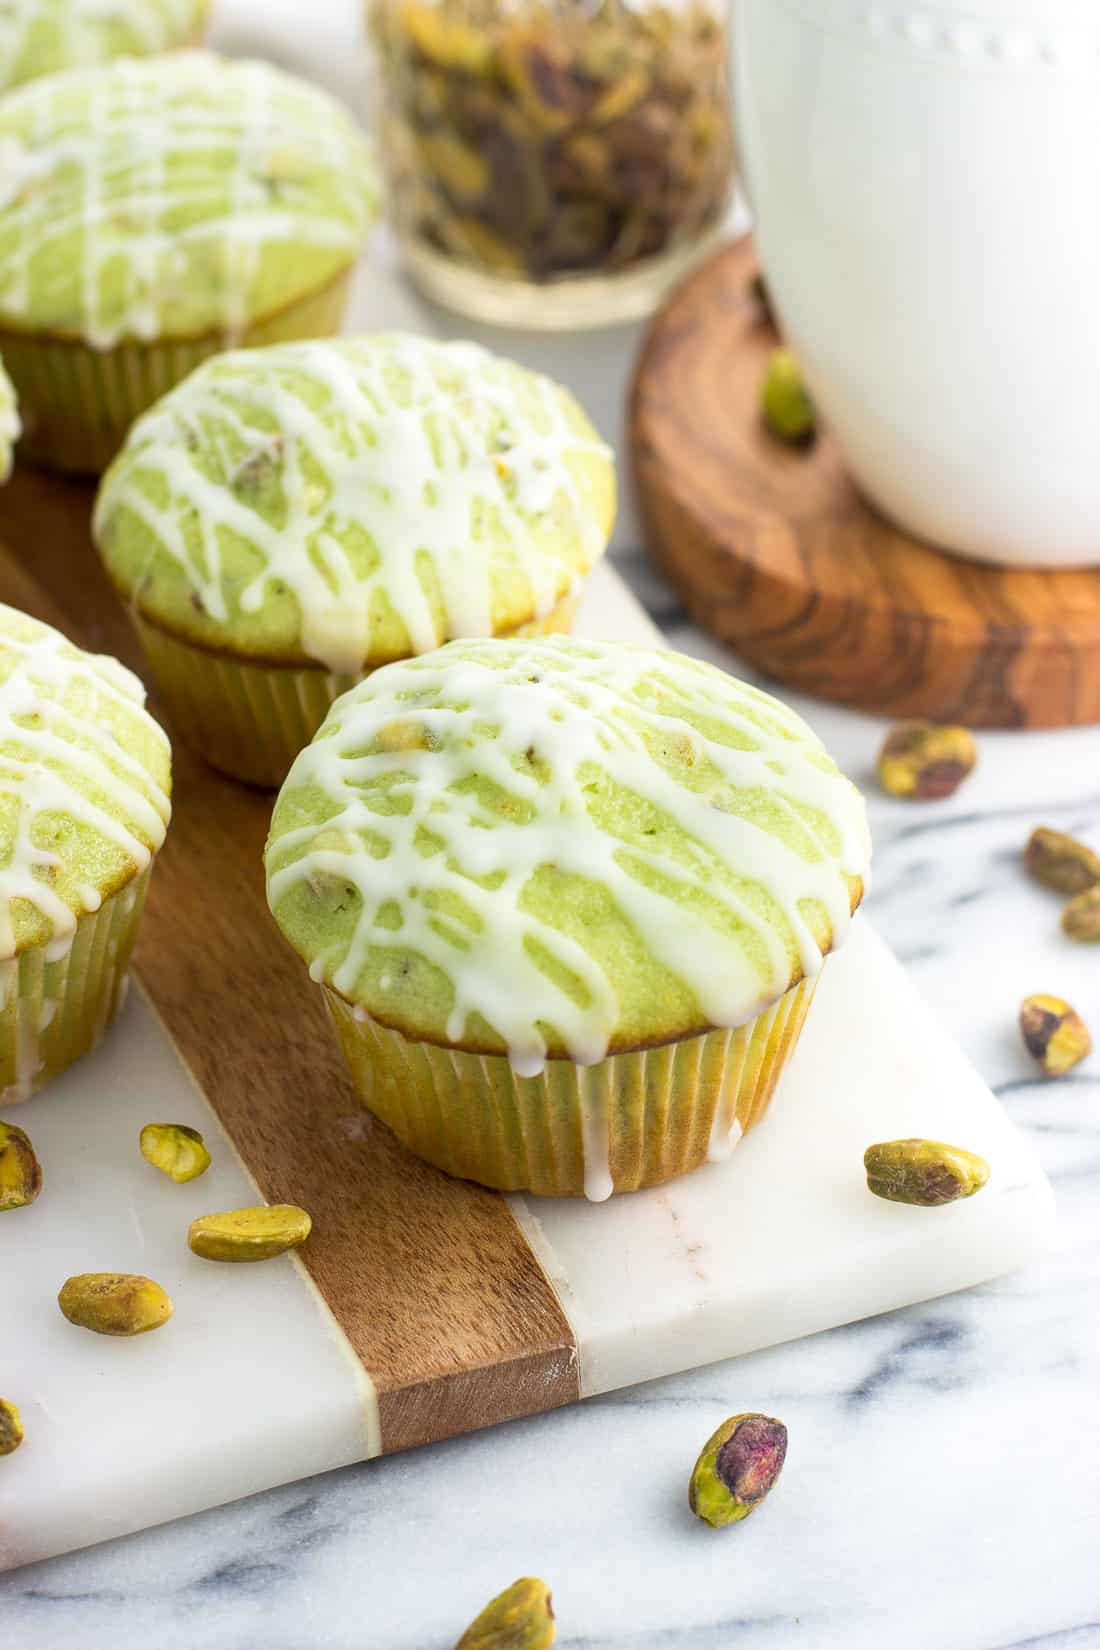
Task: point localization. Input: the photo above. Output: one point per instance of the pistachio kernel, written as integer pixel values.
(11, 1427)
(926, 1173)
(114, 1303)
(1061, 862)
(1081, 917)
(20, 1170)
(521, 1618)
(926, 761)
(737, 1468)
(177, 1150)
(249, 1234)
(1054, 1034)
(785, 401)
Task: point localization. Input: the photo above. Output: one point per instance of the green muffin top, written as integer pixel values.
(39, 37)
(84, 779)
(176, 197)
(563, 849)
(354, 501)
(10, 427)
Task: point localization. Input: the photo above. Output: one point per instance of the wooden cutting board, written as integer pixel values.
(422, 1306)
(775, 552)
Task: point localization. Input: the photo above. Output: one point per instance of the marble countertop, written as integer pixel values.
(942, 1486)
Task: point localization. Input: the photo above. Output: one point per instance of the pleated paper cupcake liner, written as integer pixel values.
(632, 1120)
(250, 720)
(54, 1008)
(77, 403)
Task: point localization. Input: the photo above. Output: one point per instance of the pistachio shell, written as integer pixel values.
(249, 1234)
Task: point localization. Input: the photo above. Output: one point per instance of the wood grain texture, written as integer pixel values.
(430, 1278)
(775, 552)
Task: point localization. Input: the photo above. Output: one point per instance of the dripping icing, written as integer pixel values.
(574, 704)
(40, 764)
(465, 433)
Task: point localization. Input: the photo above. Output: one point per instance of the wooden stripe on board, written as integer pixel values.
(430, 1278)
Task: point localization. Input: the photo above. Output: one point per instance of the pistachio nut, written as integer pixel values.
(20, 1170)
(926, 1173)
(521, 1618)
(11, 1427)
(737, 1468)
(1081, 917)
(177, 1150)
(1061, 862)
(250, 1234)
(114, 1303)
(1054, 1033)
(785, 401)
(926, 761)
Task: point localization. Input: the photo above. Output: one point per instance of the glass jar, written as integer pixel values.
(554, 163)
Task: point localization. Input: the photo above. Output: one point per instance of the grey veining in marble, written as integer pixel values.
(942, 1490)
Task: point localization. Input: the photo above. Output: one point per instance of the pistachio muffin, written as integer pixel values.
(155, 212)
(9, 423)
(289, 519)
(568, 902)
(84, 782)
(40, 37)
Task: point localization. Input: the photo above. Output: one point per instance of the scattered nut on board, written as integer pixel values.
(785, 401)
(20, 1170)
(1054, 1034)
(11, 1427)
(250, 1234)
(521, 1618)
(1061, 862)
(737, 1467)
(1081, 917)
(177, 1150)
(114, 1303)
(926, 761)
(925, 1173)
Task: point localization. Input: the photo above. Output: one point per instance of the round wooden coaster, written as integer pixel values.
(775, 552)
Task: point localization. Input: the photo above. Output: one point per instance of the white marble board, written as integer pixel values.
(252, 1384)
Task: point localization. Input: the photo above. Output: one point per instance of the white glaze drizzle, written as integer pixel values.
(573, 705)
(10, 426)
(129, 215)
(413, 470)
(40, 763)
(79, 30)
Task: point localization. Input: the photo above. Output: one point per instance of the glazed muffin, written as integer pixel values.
(84, 782)
(568, 902)
(290, 519)
(153, 213)
(40, 37)
(9, 423)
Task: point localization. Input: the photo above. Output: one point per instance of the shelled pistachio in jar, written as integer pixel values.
(541, 140)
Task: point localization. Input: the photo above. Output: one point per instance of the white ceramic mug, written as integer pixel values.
(925, 180)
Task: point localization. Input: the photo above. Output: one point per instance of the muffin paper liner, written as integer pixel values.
(54, 1009)
(251, 720)
(632, 1120)
(77, 403)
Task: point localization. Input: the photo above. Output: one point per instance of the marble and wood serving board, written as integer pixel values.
(422, 1307)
